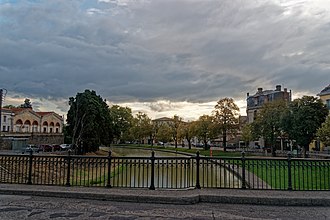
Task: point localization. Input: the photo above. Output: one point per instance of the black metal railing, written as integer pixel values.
(167, 172)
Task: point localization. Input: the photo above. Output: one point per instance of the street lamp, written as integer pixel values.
(3, 93)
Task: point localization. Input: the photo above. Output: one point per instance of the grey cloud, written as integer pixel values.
(193, 51)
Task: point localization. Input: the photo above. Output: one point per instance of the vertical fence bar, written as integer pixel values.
(243, 171)
(152, 178)
(68, 169)
(289, 172)
(30, 168)
(198, 186)
(109, 170)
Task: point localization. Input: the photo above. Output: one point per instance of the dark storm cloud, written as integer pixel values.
(171, 50)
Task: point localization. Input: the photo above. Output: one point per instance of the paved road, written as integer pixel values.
(30, 207)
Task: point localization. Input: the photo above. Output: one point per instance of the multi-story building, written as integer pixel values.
(25, 120)
(325, 96)
(256, 101)
(20, 126)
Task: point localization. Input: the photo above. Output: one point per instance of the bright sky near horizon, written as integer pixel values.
(161, 57)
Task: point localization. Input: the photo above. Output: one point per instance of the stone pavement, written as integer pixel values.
(188, 196)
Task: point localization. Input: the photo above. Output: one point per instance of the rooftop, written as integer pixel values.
(325, 91)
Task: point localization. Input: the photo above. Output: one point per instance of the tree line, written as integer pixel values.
(300, 121)
(92, 123)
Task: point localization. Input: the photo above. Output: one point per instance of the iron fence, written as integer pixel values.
(167, 172)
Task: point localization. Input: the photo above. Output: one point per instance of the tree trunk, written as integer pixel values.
(224, 140)
(189, 144)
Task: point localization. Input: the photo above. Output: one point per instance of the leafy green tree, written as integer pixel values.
(121, 120)
(89, 122)
(142, 126)
(304, 117)
(175, 125)
(324, 132)
(164, 133)
(204, 129)
(186, 132)
(225, 116)
(155, 130)
(9, 106)
(247, 134)
(268, 122)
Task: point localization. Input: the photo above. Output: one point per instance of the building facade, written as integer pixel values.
(325, 96)
(256, 101)
(25, 120)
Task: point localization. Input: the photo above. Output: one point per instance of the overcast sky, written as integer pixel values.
(162, 57)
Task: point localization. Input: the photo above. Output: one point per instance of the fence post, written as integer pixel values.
(152, 184)
(198, 185)
(109, 170)
(243, 171)
(30, 168)
(289, 172)
(68, 170)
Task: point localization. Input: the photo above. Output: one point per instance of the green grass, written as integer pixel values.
(306, 175)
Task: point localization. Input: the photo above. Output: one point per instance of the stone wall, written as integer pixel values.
(5, 144)
(17, 142)
(46, 139)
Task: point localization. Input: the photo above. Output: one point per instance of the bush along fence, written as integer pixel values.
(167, 172)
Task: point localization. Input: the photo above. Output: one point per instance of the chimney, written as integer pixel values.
(259, 90)
(278, 88)
(285, 90)
(247, 94)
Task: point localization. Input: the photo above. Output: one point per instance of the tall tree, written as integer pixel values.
(225, 115)
(164, 133)
(175, 125)
(247, 134)
(204, 129)
(304, 117)
(89, 122)
(121, 120)
(142, 126)
(324, 132)
(268, 122)
(186, 132)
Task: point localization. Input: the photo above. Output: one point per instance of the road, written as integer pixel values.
(27, 207)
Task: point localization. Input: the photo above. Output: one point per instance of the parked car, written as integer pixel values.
(30, 148)
(45, 148)
(56, 147)
(65, 146)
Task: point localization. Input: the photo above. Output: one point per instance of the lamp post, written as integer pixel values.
(3, 93)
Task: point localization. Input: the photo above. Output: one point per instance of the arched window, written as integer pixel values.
(35, 126)
(57, 127)
(27, 125)
(45, 127)
(51, 127)
(18, 125)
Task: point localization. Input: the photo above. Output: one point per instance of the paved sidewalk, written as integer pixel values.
(189, 196)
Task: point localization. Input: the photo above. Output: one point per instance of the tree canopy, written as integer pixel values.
(268, 122)
(324, 132)
(304, 117)
(225, 116)
(204, 129)
(121, 120)
(89, 122)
